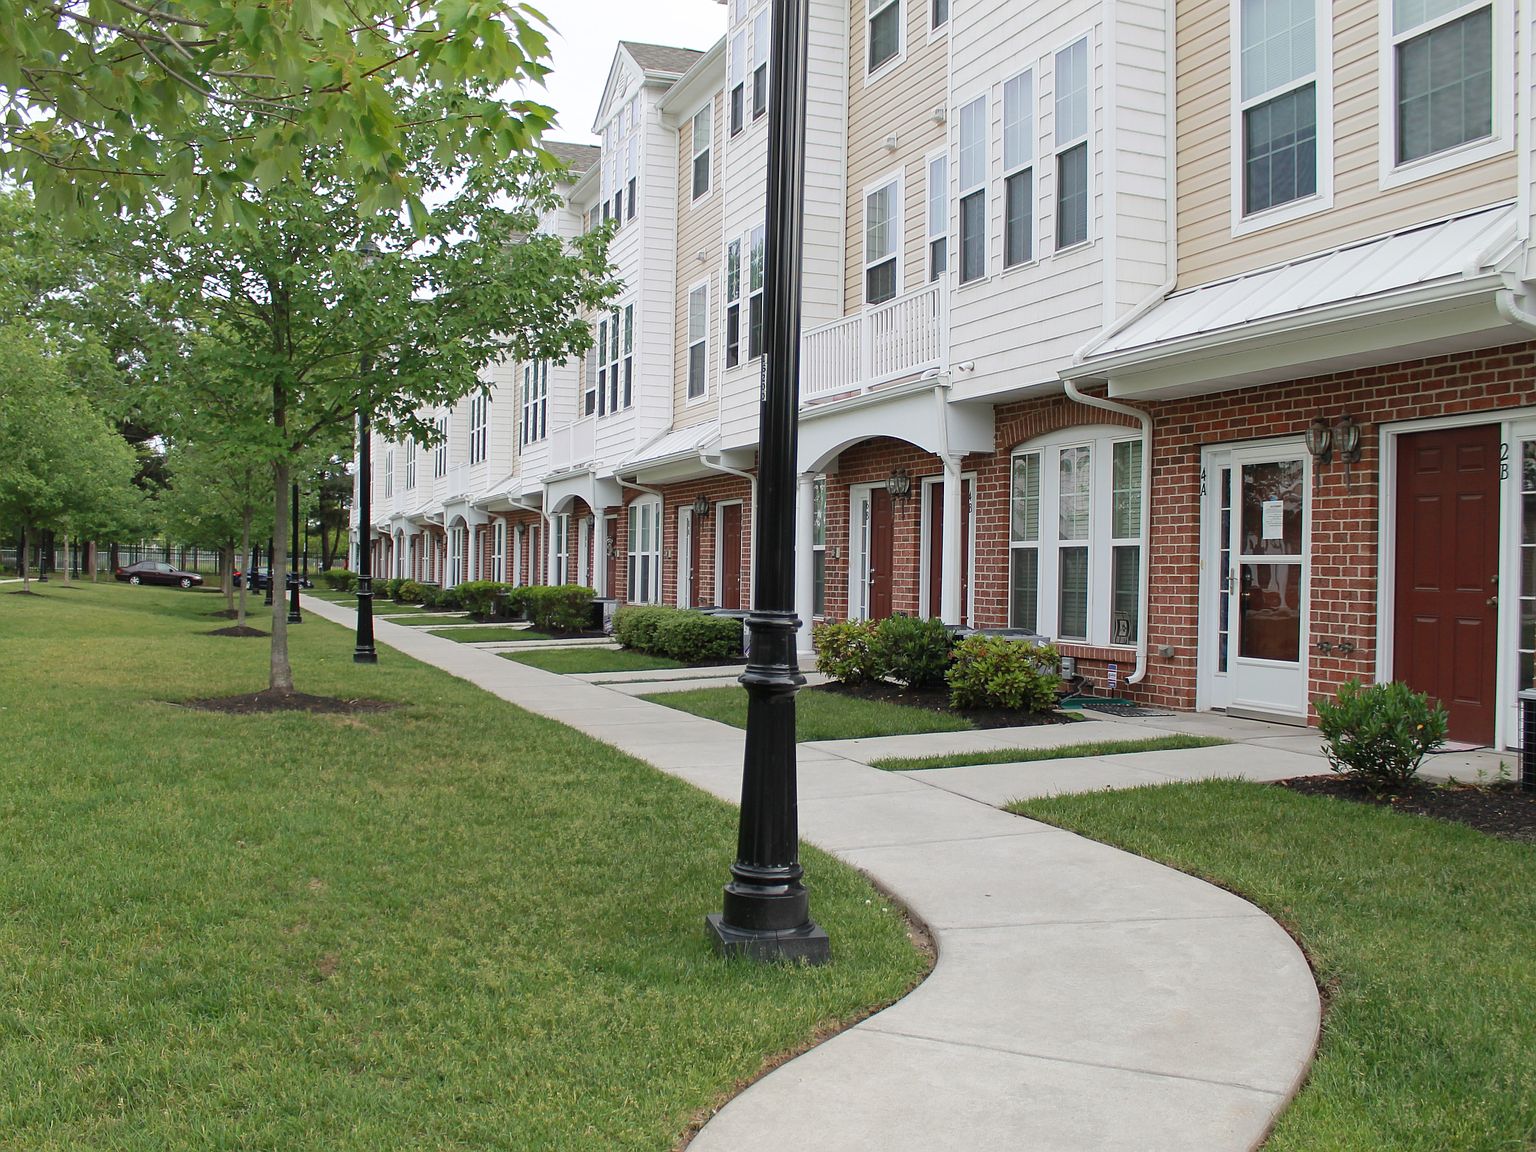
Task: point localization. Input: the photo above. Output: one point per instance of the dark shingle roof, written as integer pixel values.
(576, 157)
(662, 58)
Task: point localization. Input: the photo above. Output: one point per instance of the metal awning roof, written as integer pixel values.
(683, 444)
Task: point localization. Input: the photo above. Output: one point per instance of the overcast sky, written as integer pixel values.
(587, 32)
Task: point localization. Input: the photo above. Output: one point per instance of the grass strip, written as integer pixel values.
(422, 618)
(581, 661)
(1415, 928)
(497, 633)
(1171, 743)
(818, 715)
(411, 929)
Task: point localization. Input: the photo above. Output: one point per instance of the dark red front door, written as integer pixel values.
(1445, 626)
(730, 556)
(881, 554)
(936, 550)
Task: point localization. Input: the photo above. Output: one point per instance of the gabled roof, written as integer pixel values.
(654, 62)
(661, 58)
(576, 157)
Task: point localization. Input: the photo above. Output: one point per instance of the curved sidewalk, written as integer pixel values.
(1084, 1000)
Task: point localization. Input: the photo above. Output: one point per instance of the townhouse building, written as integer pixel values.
(1191, 336)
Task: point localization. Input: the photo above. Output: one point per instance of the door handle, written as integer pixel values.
(1492, 601)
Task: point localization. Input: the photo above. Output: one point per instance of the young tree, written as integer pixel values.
(218, 496)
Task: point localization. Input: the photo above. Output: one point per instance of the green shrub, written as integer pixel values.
(559, 608)
(339, 580)
(408, 592)
(510, 602)
(996, 672)
(477, 597)
(912, 652)
(1380, 733)
(445, 598)
(635, 625)
(847, 652)
(693, 636)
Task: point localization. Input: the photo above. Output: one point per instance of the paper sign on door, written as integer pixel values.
(1274, 520)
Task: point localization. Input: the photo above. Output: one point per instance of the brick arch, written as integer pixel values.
(1018, 424)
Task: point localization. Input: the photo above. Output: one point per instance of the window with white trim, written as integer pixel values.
(884, 32)
(628, 393)
(1018, 170)
(938, 14)
(499, 552)
(701, 140)
(755, 297)
(1443, 59)
(389, 473)
(882, 229)
(733, 303)
(1278, 106)
(1075, 536)
(589, 392)
(440, 454)
(634, 173)
(973, 190)
(479, 421)
(819, 546)
(938, 216)
(645, 552)
(562, 530)
(698, 341)
(616, 360)
(760, 42)
(1072, 81)
(738, 82)
(410, 464)
(535, 401)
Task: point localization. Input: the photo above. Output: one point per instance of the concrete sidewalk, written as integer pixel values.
(1084, 1000)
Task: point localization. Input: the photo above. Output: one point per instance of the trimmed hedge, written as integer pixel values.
(408, 592)
(677, 633)
(912, 652)
(339, 579)
(996, 672)
(558, 608)
(477, 597)
(634, 625)
(847, 651)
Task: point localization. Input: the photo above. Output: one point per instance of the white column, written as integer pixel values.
(550, 527)
(805, 567)
(952, 545)
(600, 579)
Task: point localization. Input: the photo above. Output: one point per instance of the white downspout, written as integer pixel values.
(715, 466)
(1504, 300)
(1144, 591)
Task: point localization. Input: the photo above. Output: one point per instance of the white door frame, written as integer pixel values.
(967, 561)
(583, 551)
(684, 591)
(720, 507)
(859, 496)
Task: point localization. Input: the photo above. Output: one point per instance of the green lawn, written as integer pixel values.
(585, 660)
(818, 715)
(452, 926)
(1063, 752)
(485, 634)
(423, 617)
(1422, 933)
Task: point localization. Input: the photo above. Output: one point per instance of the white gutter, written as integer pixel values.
(1145, 591)
(716, 466)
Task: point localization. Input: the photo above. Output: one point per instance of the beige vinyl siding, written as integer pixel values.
(900, 103)
(698, 230)
(1207, 249)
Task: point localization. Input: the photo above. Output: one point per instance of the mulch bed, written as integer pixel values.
(937, 700)
(246, 630)
(255, 703)
(1502, 809)
(22, 592)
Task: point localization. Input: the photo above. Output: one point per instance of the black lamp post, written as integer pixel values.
(767, 911)
(365, 652)
(294, 615)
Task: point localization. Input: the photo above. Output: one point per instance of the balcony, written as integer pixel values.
(573, 446)
(900, 338)
(458, 482)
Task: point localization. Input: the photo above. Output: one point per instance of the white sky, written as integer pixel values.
(587, 33)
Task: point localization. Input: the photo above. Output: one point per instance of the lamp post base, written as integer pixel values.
(807, 944)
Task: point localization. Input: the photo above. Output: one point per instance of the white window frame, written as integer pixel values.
(479, 421)
(938, 213)
(535, 401)
(643, 522)
(440, 454)
(562, 530)
(736, 87)
(410, 464)
(1060, 148)
(1100, 440)
(389, 473)
(762, 37)
(896, 179)
(819, 548)
(963, 190)
(706, 110)
(937, 29)
(695, 292)
(1322, 78)
(1391, 174)
(737, 302)
(873, 8)
(757, 238)
(1029, 165)
(499, 552)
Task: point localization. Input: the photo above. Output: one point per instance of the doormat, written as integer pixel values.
(1113, 707)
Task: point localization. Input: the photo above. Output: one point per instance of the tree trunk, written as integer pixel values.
(90, 559)
(64, 572)
(21, 560)
(277, 565)
(227, 581)
(245, 550)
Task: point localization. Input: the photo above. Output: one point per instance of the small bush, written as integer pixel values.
(848, 652)
(448, 599)
(339, 579)
(560, 608)
(408, 592)
(996, 672)
(693, 636)
(1380, 734)
(477, 597)
(635, 625)
(912, 652)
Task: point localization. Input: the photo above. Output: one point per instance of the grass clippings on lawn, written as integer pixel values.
(1417, 929)
(586, 661)
(320, 933)
(1171, 743)
(819, 714)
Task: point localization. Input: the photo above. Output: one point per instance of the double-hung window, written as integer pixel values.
(410, 464)
(440, 456)
(938, 14)
(645, 552)
(819, 546)
(499, 552)
(535, 401)
(562, 531)
(1278, 92)
(738, 81)
(938, 216)
(755, 298)
(389, 473)
(616, 364)
(628, 394)
(760, 42)
(589, 392)
(882, 228)
(973, 190)
(1018, 170)
(479, 418)
(1443, 62)
(883, 26)
(701, 150)
(1075, 537)
(634, 173)
(733, 303)
(1072, 85)
(607, 355)
(698, 341)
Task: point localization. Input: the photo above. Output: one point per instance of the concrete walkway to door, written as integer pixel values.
(1084, 999)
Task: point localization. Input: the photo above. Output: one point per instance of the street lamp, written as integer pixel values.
(766, 910)
(365, 653)
(294, 615)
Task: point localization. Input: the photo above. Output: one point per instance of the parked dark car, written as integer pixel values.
(157, 572)
(263, 577)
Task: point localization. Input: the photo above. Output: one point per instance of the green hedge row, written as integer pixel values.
(677, 633)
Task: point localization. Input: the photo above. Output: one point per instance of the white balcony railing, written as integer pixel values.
(458, 482)
(573, 445)
(901, 337)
